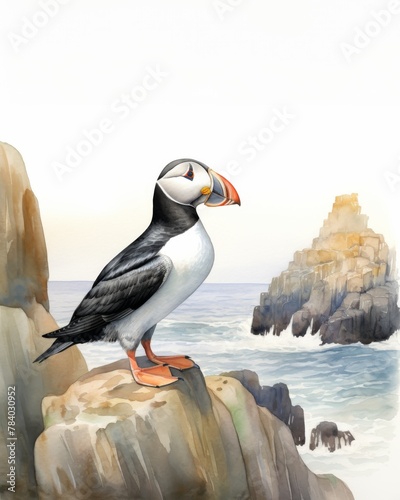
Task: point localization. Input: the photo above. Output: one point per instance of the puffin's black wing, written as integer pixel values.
(138, 253)
(112, 297)
(109, 300)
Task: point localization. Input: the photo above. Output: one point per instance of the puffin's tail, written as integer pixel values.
(77, 331)
(55, 348)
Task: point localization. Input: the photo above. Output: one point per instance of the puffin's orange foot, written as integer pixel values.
(155, 376)
(178, 362)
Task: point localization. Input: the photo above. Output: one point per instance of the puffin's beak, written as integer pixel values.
(222, 191)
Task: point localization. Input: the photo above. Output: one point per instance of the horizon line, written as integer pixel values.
(204, 283)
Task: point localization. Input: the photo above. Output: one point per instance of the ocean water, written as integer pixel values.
(355, 386)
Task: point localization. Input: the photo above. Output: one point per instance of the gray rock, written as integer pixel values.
(364, 317)
(277, 400)
(327, 434)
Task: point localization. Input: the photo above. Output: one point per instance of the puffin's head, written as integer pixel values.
(189, 182)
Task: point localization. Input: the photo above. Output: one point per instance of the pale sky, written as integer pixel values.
(263, 87)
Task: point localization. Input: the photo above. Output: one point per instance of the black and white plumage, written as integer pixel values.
(154, 274)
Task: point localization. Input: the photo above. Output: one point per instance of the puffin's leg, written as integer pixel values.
(179, 362)
(155, 376)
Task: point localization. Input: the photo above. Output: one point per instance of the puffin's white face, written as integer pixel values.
(187, 183)
(191, 183)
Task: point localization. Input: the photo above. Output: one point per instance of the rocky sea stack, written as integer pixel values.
(343, 287)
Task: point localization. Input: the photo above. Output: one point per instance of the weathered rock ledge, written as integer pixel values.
(108, 437)
(343, 287)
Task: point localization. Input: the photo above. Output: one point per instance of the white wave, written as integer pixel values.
(237, 335)
(392, 344)
(169, 322)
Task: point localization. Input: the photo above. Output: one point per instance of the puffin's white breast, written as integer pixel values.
(192, 256)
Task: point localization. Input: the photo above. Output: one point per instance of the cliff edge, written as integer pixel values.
(343, 287)
(24, 317)
(108, 437)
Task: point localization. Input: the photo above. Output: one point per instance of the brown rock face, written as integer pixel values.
(24, 317)
(343, 286)
(108, 437)
(23, 257)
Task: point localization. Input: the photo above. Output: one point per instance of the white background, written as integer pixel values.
(227, 74)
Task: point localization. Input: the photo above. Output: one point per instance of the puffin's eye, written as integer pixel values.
(189, 174)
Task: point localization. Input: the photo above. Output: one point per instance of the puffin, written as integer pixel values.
(154, 274)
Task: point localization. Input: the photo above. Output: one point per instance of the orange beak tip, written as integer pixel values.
(229, 196)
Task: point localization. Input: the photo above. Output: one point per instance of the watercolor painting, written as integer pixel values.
(198, 230)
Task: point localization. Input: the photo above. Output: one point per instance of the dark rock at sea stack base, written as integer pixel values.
(343, 287)
(327, 434)
(277, 400)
